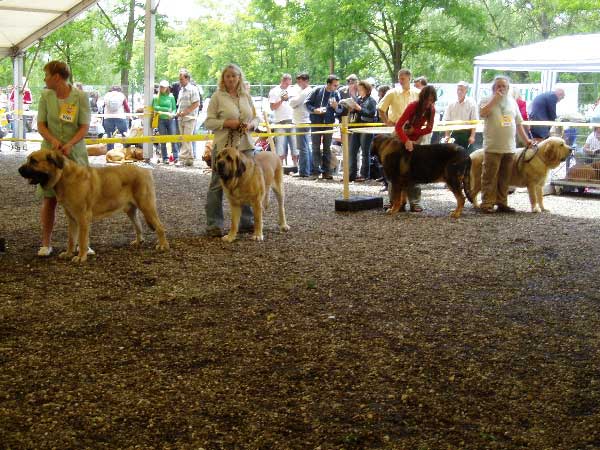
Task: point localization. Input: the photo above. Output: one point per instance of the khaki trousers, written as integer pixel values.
(495, 178)
(186, 126)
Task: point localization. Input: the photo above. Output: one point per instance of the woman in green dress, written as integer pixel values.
(63, 121)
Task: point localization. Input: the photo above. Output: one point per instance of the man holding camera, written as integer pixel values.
(283, 115)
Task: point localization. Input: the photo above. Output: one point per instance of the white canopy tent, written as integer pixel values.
(575, 53)
(24, 22)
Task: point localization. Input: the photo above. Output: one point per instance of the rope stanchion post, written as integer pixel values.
(347, 203)
(346, 157)
(270, 139)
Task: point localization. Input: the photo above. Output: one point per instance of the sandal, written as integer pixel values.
(416, 208)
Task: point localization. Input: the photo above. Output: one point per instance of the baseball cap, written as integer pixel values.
(351, 77)
(164, 83)
(462, 83)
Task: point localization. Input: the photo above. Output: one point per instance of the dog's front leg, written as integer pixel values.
(532, 191)
(539, 191)
(72, 231)
(83, 223)
(236, 214)
(396, 196)
(258, 225)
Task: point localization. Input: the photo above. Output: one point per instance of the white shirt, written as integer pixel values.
(285, 111)
(592, 142)
(467, 110)
(114, 104)
(500, 126)
(297, 97)
(188, 94)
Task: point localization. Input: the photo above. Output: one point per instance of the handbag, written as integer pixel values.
(155, 118)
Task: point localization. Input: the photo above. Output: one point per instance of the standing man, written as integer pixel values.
(543, 107)
(284, 115)
(391, 108)
(115, 108)
(298, 95)
(462, 109)
(187, 108)
(502, 120)
(322, 104)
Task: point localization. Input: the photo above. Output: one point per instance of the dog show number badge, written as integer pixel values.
(506, 120)
(68, 112)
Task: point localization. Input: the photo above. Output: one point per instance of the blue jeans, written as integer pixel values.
(214, 200)
(111, 125)
(304, 153)
(168, 127)
(320, 157)
(360, 141)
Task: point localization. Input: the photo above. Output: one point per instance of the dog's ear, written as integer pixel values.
(241, 168)
(552, 153)
(57, 159)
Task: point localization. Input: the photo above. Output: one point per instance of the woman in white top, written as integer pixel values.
(230, 107)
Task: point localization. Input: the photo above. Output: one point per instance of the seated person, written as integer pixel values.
(591, 148)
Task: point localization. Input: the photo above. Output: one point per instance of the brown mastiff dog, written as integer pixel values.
(88, 193)
(530, 169)
(425, 164)
(247, 180)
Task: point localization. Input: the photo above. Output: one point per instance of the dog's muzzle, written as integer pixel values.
(222, 170)
(34, 176)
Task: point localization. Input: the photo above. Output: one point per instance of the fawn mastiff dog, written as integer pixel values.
(247, 180)
(88, 193)
(530, 169)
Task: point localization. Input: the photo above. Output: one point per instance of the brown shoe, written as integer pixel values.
(506, 209)
(416, 208)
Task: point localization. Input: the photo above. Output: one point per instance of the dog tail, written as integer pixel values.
(466, 181)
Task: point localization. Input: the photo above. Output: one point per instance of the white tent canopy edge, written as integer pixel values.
(574, 53)
(22, 24)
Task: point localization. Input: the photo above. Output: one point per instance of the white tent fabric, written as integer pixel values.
(575, 53)
(23, 23)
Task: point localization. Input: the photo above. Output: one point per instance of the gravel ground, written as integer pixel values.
(352, 331)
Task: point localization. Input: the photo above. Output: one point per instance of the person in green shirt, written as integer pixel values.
(165, 104)
(63, 121)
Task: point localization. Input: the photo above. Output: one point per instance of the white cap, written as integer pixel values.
(164, 83)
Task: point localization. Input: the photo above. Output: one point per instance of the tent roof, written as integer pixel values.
(576, 53)
(23, 23)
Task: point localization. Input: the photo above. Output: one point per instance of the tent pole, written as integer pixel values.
(150, 27)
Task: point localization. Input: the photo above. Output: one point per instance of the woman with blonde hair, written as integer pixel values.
(231, 117)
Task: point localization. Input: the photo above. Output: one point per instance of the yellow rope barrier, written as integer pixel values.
(353, 127)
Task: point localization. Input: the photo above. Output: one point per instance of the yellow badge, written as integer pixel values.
(67, 112)
(506, 120)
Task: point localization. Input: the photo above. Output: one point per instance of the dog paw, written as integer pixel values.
(284, 228)
(455, 214)
(162, 247)
(229, 238)
(136, 242)
(65, 255)
(79, 259)
(257, 237)
(537, 209)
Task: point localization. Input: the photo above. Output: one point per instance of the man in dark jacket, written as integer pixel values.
(543, 107)
(322, 104)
